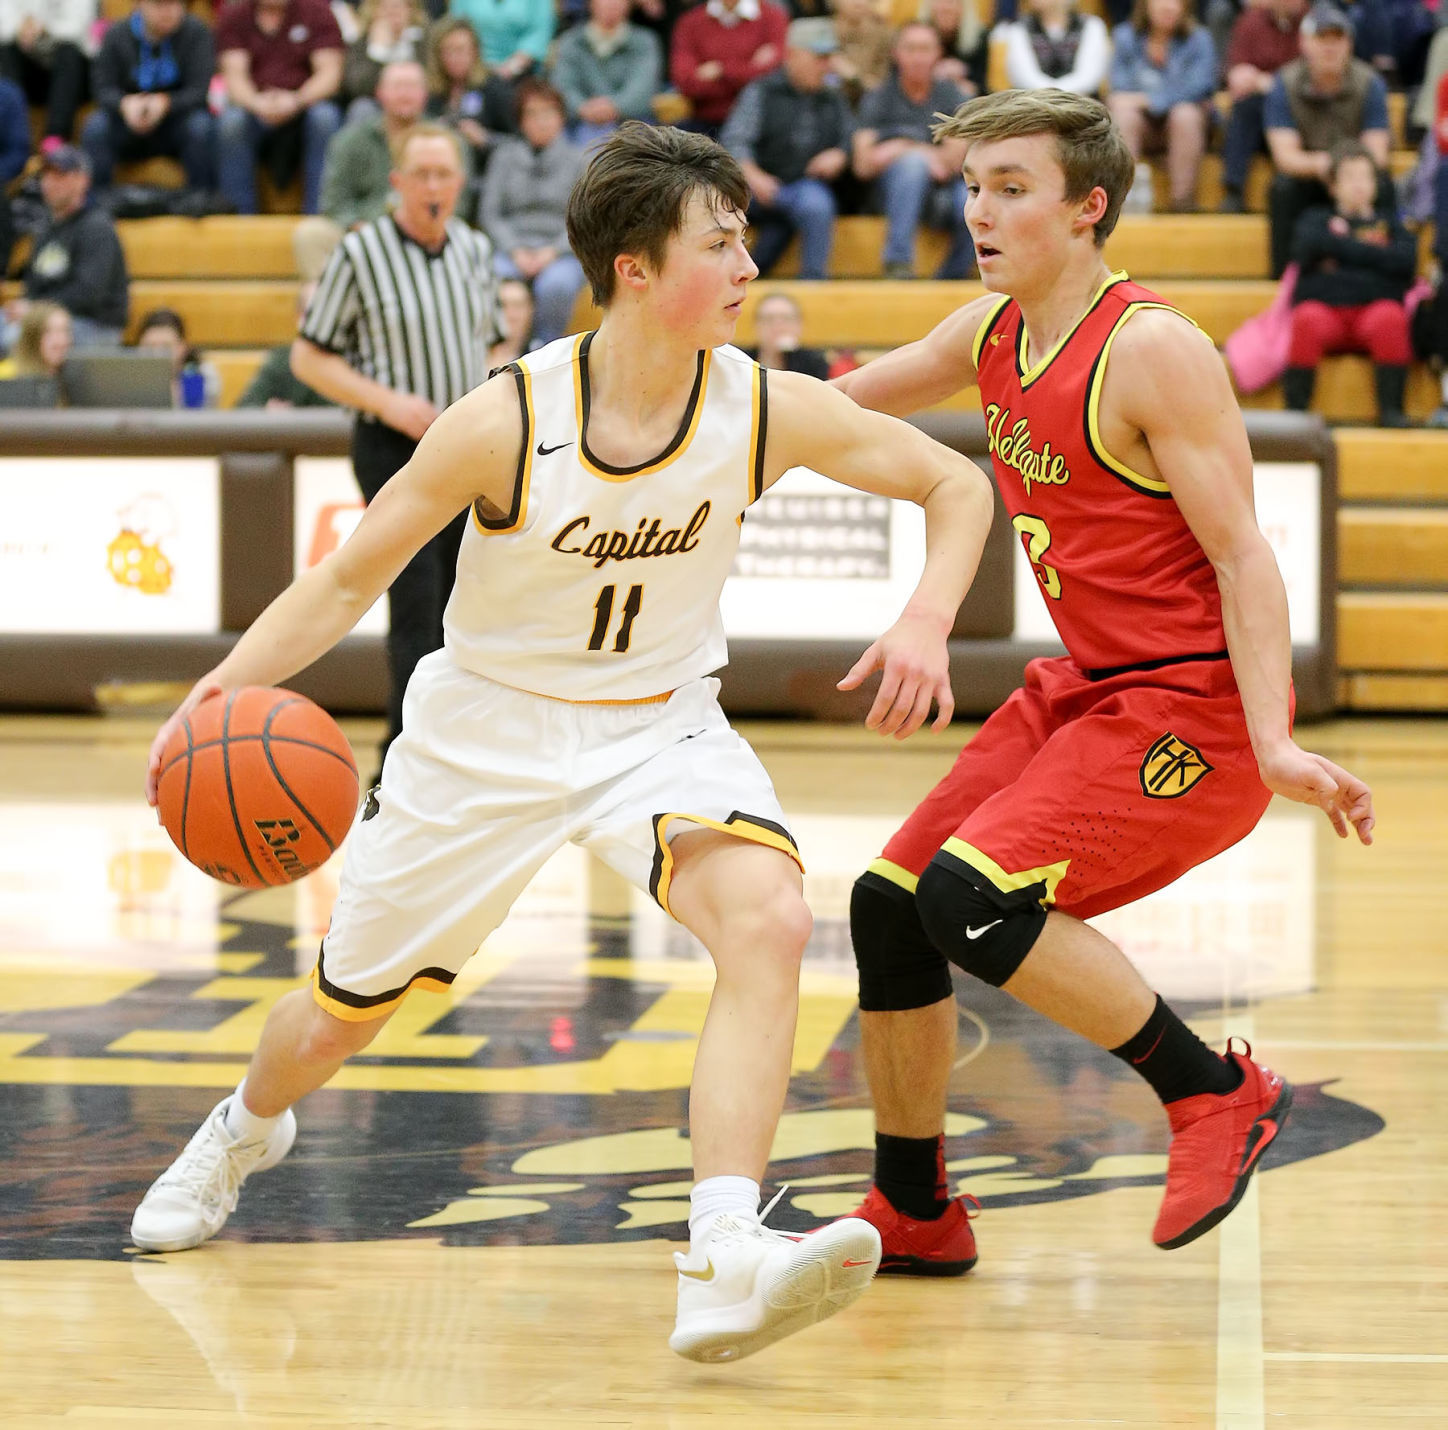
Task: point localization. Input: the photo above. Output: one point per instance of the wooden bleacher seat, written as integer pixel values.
(1381, 466)
(1148, 246)
(224, 246)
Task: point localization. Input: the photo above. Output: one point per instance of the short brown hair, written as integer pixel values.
(427, 129)
(1088, 144)
(1343, 152)
(632, 197)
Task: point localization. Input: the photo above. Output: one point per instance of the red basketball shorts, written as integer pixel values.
(1099, 791)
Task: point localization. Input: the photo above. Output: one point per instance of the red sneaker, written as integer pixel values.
(1217, 1140)
(945, 1247)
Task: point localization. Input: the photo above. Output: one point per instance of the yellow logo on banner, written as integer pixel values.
(139, 565)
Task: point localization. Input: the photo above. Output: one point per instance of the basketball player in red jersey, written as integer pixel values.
(1154, 744)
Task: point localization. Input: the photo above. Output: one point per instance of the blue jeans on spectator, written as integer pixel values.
(806, 205)
(1245, 138)
(240, 135)
(191, 138)
(554, 291)
(911, 197)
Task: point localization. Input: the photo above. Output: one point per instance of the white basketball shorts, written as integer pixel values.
(485, 783)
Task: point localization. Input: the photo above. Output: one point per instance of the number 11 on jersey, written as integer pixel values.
(603, 615)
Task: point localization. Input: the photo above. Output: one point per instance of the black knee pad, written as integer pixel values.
(979, 928)
(899, 967)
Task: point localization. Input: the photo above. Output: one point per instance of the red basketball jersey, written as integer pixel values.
(1126, 582)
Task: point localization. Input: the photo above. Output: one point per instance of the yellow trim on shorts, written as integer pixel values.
(372, 1012)
(638, 700)
(742, 828)
(1048, 874)
(895, 874)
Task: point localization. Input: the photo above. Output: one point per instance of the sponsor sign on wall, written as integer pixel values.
(820, 561)
(327, 506)
(109, 546)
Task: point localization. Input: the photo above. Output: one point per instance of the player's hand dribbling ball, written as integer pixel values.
(257, 786)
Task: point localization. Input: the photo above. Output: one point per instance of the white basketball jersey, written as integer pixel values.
(602, 583)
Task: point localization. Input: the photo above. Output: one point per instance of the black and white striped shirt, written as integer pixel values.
(415, 321)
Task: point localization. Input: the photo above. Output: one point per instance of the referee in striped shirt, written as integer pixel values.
(399, 328)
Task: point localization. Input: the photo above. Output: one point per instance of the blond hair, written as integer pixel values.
(438, 83)
(1089, 146)
(28, 361)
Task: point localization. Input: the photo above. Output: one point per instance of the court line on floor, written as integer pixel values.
(1241, 1394)
(1356, 1357)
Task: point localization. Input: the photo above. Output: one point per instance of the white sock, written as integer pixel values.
(1443, 381)
(714, 1196)
(244, 1124)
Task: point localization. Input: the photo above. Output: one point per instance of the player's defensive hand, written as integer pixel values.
(1310, 779)
(916, 665)
(204, 689)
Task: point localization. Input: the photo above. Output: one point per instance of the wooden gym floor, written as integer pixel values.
(473, 1229)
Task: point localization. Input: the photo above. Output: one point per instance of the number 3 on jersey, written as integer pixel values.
(603, 615)
(1037, 538)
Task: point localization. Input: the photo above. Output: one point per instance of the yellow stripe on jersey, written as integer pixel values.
(1151, 486)
(893, 872)
(984, 331)
(741, 826)
(518, 514)
(669, 457)
(758, 397)
(1048, 874)
(1029, 374)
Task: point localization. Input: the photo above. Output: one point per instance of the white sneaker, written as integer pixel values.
(746, 1286)
(191, 1200)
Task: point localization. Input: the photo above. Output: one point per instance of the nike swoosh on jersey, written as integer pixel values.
(707, 1274)
(546, 451)
(984, 928)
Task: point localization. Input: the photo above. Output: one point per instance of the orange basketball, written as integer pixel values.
(257, 786)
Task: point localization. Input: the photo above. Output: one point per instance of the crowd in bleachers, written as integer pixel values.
(828, 104)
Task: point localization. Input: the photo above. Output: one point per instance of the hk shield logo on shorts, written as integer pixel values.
(1171, 768)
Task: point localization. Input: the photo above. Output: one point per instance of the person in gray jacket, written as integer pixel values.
(525, 203)
(607, 70)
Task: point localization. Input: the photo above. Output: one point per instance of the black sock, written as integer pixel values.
(911, 1173)
(1174, 1060)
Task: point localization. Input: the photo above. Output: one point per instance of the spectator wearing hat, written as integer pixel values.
(791, 134)
(150, 80)
(281, 61)
(607, 70)
(1264, 39)
(43, 48)
(76, 260)
(916, 179)
(1317, 102)
(720, 47)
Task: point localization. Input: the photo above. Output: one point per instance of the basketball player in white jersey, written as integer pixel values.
(607, 476)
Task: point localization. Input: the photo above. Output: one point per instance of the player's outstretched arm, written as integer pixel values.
(922, 373)
(470, 451)
(812, 425)
(1167, 380)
